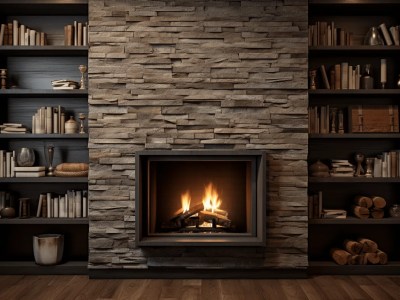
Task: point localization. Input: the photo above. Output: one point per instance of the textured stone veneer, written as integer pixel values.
(197, 75)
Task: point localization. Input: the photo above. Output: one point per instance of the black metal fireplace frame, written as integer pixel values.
(257, 236)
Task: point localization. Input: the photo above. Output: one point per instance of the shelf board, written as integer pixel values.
(375, 92)
(23, 93)
(31, 268)
(329, 267)
(356, 49)
(44, 180)
(44, 50)
(40, 221)
(43, 136)
(353, 180)
(354, 221)
(44, 7)
(353, 7)
(354, 136)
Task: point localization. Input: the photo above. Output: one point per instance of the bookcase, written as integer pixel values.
(30, 70)
(356, 18)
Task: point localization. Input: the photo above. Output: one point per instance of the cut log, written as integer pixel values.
(180, 216)
(363, 201)
(210, 217)
(353, 247)
(377, 213)
(369, 246)
(341, 257)
(362, 260)
(379, 202)
(356, 260)
(371, 258)
(383, 258)
(360, 212)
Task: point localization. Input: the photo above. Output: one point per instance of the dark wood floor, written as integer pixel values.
(81, 287)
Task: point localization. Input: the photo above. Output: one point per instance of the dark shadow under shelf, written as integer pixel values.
(353, 180)
(364, 135)
(44, 50)
(43, 136)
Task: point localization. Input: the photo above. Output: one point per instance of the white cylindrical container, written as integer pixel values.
(48, 248)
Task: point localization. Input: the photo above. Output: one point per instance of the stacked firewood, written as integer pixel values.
(366, 207)
(359, 252)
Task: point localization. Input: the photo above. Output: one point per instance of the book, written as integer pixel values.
(2, 32)
(40, 204)
(325, 77)
(30, 169)
(394, 31)
(334, 214)
(386, 35)
(15, 34)
(30, 174)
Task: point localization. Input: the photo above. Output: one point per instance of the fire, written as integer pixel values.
(185, 200)
(211, 200)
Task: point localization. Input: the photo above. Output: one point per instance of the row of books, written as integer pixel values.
(387, 164)
(49, 120)
(327, 34)
(76, 34)
(316, 210)
(72, 204)
(16, 34)
(325, 119)
(341, 77)
(13, 128)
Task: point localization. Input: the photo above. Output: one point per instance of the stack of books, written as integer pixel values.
(36, 171)
(14, 128)
(64, 84)
(342, 168)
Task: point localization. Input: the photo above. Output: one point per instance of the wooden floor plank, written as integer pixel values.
(80, 287)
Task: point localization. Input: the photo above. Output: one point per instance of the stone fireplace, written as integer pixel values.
(175, 76)
(200, 198)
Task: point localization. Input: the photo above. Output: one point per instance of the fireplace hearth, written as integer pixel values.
(200, 198)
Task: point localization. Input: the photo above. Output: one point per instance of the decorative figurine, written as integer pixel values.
(313, 78)
(82, 69)
(370, 167)
(359, 159)
(50, 154)
(3, 76)
(82, 117)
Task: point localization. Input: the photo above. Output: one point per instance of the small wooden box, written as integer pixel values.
(374, 118)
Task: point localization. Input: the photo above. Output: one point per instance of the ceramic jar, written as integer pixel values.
(71, 126)
(319, 169)
(48, 248)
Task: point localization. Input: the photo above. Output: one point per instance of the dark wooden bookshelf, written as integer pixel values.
(357, 17)
(32, 68)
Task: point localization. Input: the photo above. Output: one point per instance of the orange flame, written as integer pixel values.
(211, 200)
(185, 201)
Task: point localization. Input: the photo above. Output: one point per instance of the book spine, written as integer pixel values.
(15, 34)
(2, 33)
(386, 34)
(337, 77)
(49, 119)
(78, 204)
(8, 164)
(49, 205)
(56, 202)
(22, 35)
(10, 33)
(2, 163)
(32, 37)
(79, 34)
(344, 82)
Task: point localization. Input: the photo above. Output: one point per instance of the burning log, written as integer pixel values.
(214, 218)
(180, 217)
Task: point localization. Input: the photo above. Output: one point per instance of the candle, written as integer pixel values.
(383, 70)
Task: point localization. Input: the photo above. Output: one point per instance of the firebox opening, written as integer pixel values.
(189, 198)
